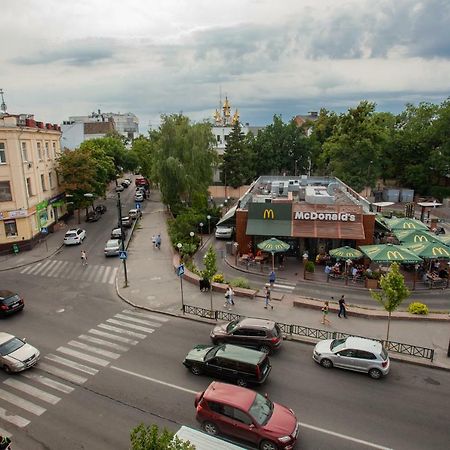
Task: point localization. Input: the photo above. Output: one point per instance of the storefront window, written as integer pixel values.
(10, 228)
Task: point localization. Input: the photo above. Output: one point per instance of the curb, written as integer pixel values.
(32, 262)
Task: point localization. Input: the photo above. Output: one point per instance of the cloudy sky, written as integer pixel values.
(60, 58)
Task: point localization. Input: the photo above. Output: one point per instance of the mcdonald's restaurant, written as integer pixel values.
(311, 214)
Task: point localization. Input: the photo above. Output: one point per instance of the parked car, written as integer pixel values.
(139, 197)
(127, 222)
(118, 233)
(353, 353)
(246, 415)
(224, 232)
(125, 183)
(135, 214)
(100, 208)
(15, 354)
(93, 216)
(74, 236)
(230, 362)
(119, 188)
(112, 247)
(141, 181)
(264, 335)
(10, 302)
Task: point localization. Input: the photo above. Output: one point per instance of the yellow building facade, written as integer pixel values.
(31, 201)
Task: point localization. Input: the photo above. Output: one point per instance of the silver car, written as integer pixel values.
(15, 354)
(353, 353)
(112, 247)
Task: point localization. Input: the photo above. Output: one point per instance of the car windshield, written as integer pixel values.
(11, 346)
(338, 344)
(261, 409)
(232, 326)
(212, 352)
(112, 244)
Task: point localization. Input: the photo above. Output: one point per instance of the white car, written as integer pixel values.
(139, 197)
(15, 354)
(74, 236)
(112, 247)
(135, 213)
(224, 231)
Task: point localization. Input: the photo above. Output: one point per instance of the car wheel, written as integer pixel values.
(264, 348)
(268, 445)
(326, 363)
(196, 370)
(210, 428)
(241, 382)
(7, 369)
(375, 374)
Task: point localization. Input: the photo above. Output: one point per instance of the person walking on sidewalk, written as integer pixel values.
(342, 307)
(267, 297)
(158, 242)
(83, 258)
(325, 311)
(229, 298)
(272, 278)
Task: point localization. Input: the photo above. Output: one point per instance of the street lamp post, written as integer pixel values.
(209, 224)
(122, 240)
(225, 202)
(201, 233)
(348, 264)
(191, 234)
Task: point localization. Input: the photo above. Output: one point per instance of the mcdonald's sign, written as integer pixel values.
(441, 251)
(268, 214)
(409, 225)
(394, 255)
(420, 239)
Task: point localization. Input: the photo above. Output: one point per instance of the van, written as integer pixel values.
(240, 365)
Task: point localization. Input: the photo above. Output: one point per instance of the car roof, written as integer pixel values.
(256, 323)
(113, 241)
(363, 344)
(72, 230)
(4, 337)
(237, 353)
(4, 293)
(230, 394)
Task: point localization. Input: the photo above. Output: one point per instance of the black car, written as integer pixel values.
(237, 364)
(100, 209)
(262, 334)
(10, 302)
(93, 216)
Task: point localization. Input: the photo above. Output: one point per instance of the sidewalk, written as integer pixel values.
(153, 285)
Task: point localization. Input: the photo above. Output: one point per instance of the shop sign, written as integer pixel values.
(18, 213)
(57, 199)
(42, 205)
(270, 211)
(328, 216)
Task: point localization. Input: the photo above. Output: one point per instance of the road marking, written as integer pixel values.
(48, 268)
(83, 356)
(289, 287)
(22, 403)
(5, 433)
(60, 269)
(122, 331)
(15, 420)
(48, 382)
(94, 340)
(154, 380)
(113, 275)
(92, 272)
(35, 392)
(113, 337)
(68, 376)
(105, 275)
(130, 325)
(99, 274)
(72, 364)
(34, 268)
(135, 319)
(92, 349)
(55, 268)
(143, 314)
(344, 436)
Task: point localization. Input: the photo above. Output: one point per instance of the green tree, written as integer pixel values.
(210, 261)
(393, 292)
(149, 438)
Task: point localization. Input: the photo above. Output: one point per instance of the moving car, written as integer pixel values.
(127, 222)
(353, 353)
(93, 216)
(112, 247)
(230, 362)
(139, 197)
(246, 415)
(74, 236)
(125, 183)
(262, 334)
(15, 354)
(118, 233)
(224, 231)
(100, 208)
(135, 214)
(10, 302)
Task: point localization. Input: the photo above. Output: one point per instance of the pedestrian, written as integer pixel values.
(83, 258)
(158, 242)
(325, 310)
(267, 302)
(272, 278)
(4, 442)
(229, 298)
(327, 271)
(342, 308)
(154, 241)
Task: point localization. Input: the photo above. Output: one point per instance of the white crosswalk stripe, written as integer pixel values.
(90, 348)
(34, 392)
(135, 319)
(121, 331)
(72, 364)
(130, 325)
(83, 356)
(21, 403)
(48, 382)
(93, 340)
(5, 433)
(145, 314)
(61, 373)
(284, 287)
(11, 418)
(113, 337)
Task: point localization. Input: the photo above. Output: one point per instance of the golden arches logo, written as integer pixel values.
(268, 214)
(441, 251)
(391, 255)
(420, 239)
(411, 226)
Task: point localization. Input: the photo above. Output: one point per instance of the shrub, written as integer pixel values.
(190, 265)
(372, 275)
(218, 278)
(310, 267)
(240, 282)
(418, 308)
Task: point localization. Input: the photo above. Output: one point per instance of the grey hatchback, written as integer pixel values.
(353, 353)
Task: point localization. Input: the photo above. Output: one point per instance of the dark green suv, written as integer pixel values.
(230, 362)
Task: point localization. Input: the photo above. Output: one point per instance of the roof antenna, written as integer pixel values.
(3, 104)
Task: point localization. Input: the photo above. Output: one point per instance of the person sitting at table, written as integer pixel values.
(259, 253)
(250, 255)
(337, 269)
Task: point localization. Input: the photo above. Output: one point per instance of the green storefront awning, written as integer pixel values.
(266, 228)
(269, 219)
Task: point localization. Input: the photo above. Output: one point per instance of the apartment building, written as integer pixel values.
(31, 201)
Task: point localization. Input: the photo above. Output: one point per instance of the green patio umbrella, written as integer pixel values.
(345, 253)
(431, 250)
(273, 245)
(414, 236)
(389, 253)
(444, 239)
(406, 224)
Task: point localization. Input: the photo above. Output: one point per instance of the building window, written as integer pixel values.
(47, 151)
(24, 152)
(2, 153)
(39, 149)
(226, 138)
(5, 191)
(43, 182)
(50, 180)
(10, 228)
(218, 138)
(54, 149)
(29, 188)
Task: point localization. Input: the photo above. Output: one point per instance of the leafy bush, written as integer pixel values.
(240, 282)
(218, 278)
(310, 267)
(152, 438)
(372, 275)
(418, 308)
(190, 265)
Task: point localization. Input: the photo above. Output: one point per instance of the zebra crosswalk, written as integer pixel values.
(283, 287)
(53, 268)
(31, 393)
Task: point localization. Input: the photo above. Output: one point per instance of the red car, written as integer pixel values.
(246, 415)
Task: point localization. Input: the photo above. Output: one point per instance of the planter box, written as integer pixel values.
(371, 283)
